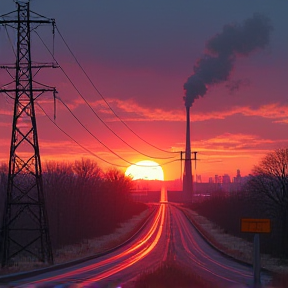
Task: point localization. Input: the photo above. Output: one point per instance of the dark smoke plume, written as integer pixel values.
(217, 62)
(234, 85)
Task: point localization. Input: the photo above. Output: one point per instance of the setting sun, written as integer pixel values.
(146, 170)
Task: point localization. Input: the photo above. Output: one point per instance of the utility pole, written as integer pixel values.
(185, 161)
(25, 228)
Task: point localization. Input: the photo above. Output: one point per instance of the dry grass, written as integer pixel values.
(235, 247)
(101, 244)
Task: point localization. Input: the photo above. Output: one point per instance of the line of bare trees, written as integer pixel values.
(82, 200)
(265, 195)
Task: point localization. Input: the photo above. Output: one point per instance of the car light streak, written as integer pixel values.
(134, 258)
(226, 267)
(184, 229)
(163, 197)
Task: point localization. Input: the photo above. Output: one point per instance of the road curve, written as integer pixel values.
(192, 251)
(168, 233)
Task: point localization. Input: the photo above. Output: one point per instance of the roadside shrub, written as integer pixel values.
(227, 210)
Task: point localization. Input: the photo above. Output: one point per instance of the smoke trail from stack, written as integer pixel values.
(221, 51)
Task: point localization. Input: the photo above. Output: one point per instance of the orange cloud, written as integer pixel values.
(6, 112)
(232, 142)
(129, 110)
(271, 111)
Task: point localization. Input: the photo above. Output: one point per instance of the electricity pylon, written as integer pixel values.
(25, 223)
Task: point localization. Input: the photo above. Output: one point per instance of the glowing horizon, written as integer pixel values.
(145, 170)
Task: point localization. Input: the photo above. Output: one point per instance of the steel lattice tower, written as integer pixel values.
(25, 222)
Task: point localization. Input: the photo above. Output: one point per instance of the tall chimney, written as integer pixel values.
(187, 176)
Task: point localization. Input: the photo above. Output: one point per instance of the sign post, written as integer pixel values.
(256, 226)
(256, 260)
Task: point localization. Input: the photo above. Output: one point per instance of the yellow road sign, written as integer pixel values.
(255, 225)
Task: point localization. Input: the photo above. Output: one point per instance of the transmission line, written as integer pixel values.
(10, 41)
(103, 98)
(120, 157)
(90, 152)
(117, 155)
(95, 155)
(84, 148)
(81, 95)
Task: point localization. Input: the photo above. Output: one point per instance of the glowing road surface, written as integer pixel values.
(168, 234)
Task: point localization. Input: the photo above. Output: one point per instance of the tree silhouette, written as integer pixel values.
(268, 185)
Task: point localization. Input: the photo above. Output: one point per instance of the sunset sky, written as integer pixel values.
(139, 54)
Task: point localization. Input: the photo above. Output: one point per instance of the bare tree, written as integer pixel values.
(118, 182)
(59, 183)
(83, 201)
(269, 185)
(87, 169)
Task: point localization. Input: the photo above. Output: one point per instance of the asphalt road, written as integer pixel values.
(168, 234)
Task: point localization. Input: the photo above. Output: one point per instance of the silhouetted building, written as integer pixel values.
(198, 179)
(238, 177)
(226, 179)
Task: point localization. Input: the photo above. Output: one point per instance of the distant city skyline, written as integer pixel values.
(220, 178)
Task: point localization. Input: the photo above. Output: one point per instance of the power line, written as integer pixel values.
(81, 95)
(93, 154)
(10, 41)
(120, 157)
(146, 155)
(84, 148)
(88, 129)
(103, 98)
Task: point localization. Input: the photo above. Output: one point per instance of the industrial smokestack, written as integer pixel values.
(187, 176)
(215, 67)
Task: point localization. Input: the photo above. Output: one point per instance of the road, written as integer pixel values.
(168, 234)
